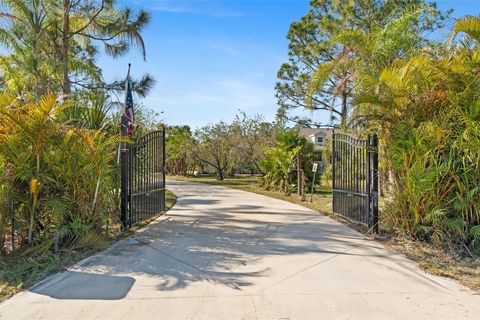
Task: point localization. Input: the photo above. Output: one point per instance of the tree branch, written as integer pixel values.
(90, 21)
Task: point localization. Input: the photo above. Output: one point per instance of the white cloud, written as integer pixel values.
(205, 98)
(214, 99)
(245, 94)
(162, 100)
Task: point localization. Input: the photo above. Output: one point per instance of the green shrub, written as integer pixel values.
(61, 177)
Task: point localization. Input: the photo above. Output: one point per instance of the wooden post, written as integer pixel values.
(299, 176)
(315, 168)
(303, 185)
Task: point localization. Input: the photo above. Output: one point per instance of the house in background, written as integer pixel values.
(319, 137)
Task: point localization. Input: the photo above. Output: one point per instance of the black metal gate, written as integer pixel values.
(355, 178)
(143, 177)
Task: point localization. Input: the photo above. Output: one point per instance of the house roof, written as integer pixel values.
(308, 132)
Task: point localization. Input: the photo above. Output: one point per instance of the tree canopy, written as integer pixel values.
(325, 41)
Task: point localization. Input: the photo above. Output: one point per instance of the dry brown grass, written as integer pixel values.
(447, 262)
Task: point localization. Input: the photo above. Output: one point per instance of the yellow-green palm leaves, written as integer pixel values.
(27, 133)
(469, 25)
(63, 175)
(426, 109)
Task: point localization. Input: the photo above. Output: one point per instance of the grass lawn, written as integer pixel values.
(439, 260)
(30, 265)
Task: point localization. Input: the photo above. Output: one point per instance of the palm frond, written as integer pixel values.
(469, 25)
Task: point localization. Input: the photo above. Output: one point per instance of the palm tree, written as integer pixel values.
(87, 22)
(469, 25)
(54, 46)
(364, 53)
(28, 67)
(426, 110)
(28, 131)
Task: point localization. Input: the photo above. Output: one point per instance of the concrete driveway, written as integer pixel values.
(228, 254)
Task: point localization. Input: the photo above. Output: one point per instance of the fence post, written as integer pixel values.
(375, 183)
(123, 172)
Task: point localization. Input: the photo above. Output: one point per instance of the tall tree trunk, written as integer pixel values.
(344, 110)
(220, 173)
(220, 169)
(65, 47)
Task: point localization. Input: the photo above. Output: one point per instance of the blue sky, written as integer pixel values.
(213, 58)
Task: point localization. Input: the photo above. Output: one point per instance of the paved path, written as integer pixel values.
(228, 254)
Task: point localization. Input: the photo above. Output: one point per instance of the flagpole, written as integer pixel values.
(124, 123)
(121, 116)
(128, 74)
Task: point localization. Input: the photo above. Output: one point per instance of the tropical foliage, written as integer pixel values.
(58, 177)
(286, 155)
(422, 98)
(426, 108)
(53, 45)
(58, 121)
(325, 42)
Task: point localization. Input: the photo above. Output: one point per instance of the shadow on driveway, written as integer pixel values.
(215, 235)
(73, 285)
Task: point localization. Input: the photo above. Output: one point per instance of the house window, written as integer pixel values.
(320, 140)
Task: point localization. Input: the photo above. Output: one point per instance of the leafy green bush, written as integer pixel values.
(60, 180)
(280, 158)
(427, 111)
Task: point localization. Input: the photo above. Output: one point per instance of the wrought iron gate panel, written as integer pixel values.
(355, 178)
(146, 177)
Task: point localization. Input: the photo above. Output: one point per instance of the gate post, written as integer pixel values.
(369, 181)
(375, 183)
(123, 173)
(164, 169)
(372, 181)
(333, 159)
(164, 155)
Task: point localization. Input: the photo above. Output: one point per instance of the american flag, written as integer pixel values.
(129, 112)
